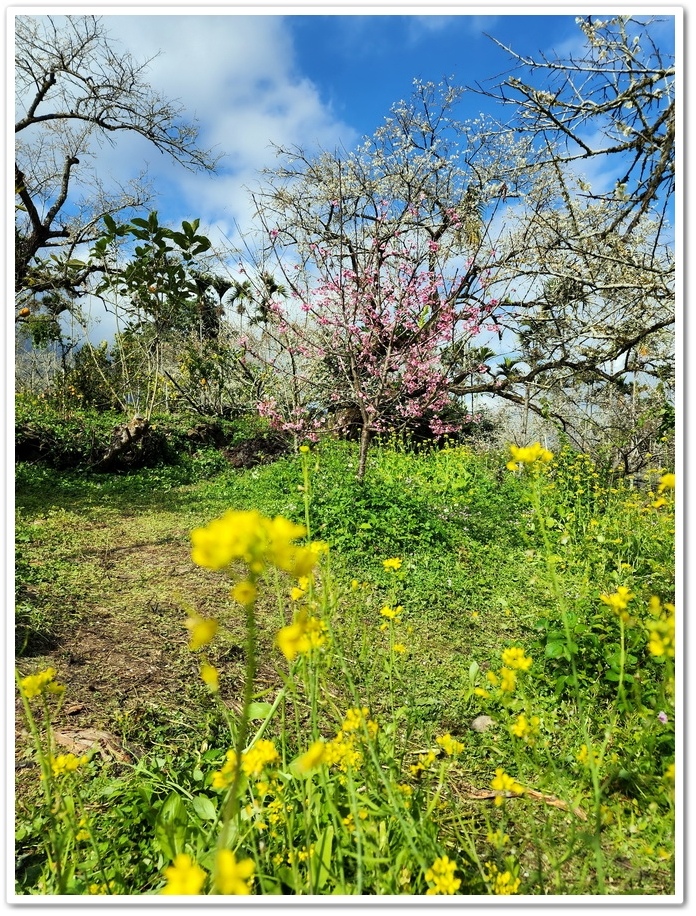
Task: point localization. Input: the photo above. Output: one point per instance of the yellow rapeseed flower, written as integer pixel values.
(662, 629)
(514, 657)
(524, 728)
(231, 876)
(391, 613)
(244, 592)
(667, 482)
(312, 758)
(302, 635)
(508, 680)
(449, 744)
(424, 761)
(501, 782)
(528, 454)
(67, 763)
(259, 756)
(184, 877)
(357, 717)
(584, 756)
(209, 675)
(618, 602)
(440, 877)
(202, 631)
(255, 540)
(35, 684)
(341, 752)
(502, 882)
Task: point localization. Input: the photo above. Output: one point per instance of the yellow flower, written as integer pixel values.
(399, 647)
(184, 876)
(508, 680)
(482, 692)
(501, 782)
(583, 756)
(223, 778)
(618, 602)
(202, 631)
(312, 758)
(209, 676)
(342, 753)
(35, 684)
(528, 454)
(244, 592)
(662, 630)
(497, 838)
(514, 657)
(235, 535)
(302, 635)
(304, 449)
(503, 882)
(440, 877)
(391, 613)
(667, 482)
(449, 744)
(255, 540)
(392, 563)
(524, 728)
(231, 876)
(67, 763)
(258, 756)
(669, 774)
(424, 761)
(357, 717)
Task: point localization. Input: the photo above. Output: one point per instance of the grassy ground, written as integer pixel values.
(105, 583)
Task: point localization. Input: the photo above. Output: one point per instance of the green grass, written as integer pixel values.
(104, 584)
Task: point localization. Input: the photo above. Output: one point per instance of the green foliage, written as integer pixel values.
(76, 436)
(527, 628)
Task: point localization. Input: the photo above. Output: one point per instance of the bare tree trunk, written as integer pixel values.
(365, 437)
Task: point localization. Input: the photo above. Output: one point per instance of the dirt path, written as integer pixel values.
(124, 656)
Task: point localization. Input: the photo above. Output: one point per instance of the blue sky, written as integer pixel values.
(253, 78)
(311, 77)
(315, 77)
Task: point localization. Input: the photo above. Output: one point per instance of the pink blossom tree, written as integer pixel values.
(386, 256)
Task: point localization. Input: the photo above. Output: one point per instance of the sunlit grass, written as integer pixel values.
(358, 771)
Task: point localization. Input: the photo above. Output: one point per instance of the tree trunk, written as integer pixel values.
(365, 437)
(123, 440)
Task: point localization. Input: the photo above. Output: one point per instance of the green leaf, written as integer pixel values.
(259, 710)
(321, 859)
(204, 808)
(555, 650)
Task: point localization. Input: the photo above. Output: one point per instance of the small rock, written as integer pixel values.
(482, 723)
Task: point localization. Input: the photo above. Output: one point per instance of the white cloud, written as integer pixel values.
(238, 77)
